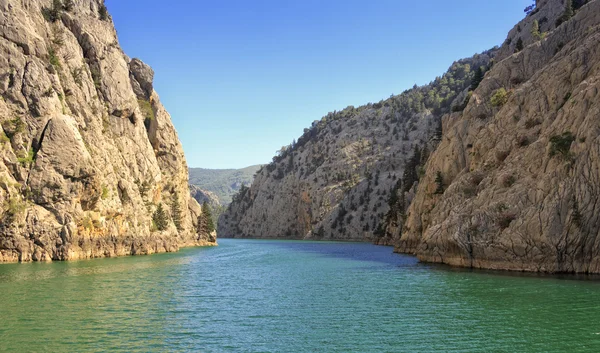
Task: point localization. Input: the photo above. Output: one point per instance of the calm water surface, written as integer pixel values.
(281, 296)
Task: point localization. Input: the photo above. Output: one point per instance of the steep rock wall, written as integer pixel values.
(335, 182)
(87, 151)
(521, 176)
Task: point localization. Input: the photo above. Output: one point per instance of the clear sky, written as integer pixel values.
(241, 78)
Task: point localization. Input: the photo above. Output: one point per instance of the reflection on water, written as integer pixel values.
(278, 296)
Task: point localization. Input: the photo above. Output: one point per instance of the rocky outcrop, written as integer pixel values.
(521, 164)
(203, 196)
(208, 199)
(336, 181)
(87, 151)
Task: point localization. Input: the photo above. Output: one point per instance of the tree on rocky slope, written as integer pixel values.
(477, 78)
(176, 210)
(205, 221)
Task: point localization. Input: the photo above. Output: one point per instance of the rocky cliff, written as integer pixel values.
(511, 180)
(211, 200)
(335, 182)
(520, 166)
(90, 163)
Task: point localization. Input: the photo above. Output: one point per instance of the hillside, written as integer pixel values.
(224, 183)
(492, 169)
(335, 181)
(90, 163)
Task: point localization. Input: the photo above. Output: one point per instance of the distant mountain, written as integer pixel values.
(223, 182)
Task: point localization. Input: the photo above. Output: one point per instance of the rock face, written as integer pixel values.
(521, 170)
(513, 178)
(335, 182)
(87, 151)
(203, 196)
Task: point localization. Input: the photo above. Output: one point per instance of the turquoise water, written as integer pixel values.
(282, 296)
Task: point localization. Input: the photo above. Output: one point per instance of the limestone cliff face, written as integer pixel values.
(521, 164)
(87, 151)
(203, 196)
(335, 182)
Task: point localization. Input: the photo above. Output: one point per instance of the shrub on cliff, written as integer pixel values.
(499, 98)
(103, 12)
(52, 14)
(561, 144)
(147, 110)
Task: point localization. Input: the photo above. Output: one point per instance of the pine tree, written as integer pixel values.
(569, 10)
(567, 14)
(410, 175)
(477, 78)
(176, 210)
(159, 218)
(209, 225)
(519, 46)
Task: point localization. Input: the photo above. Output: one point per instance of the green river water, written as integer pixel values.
(286, 296)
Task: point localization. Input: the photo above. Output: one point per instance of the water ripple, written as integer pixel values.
(273, 296)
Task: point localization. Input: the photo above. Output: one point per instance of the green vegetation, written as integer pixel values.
(14, 206)
(571, 8)
(535, 31)
(520, 46)
(411, 176)
(105, 192)
(28, 158)
(439, 181)
(52, 14)
(176, 210)
(499, 98)
(561, 144)
(77, 74)
(96, 74)
(569, 12)
(68, 5)
(208, 224)
(3, 138)
(103, 12)
(53, 59)
(435, 97)
(160, 219)
(477, 78)
(223, 182)
(147, 110)
(13, 127)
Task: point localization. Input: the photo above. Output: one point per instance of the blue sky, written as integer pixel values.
(242, 78)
